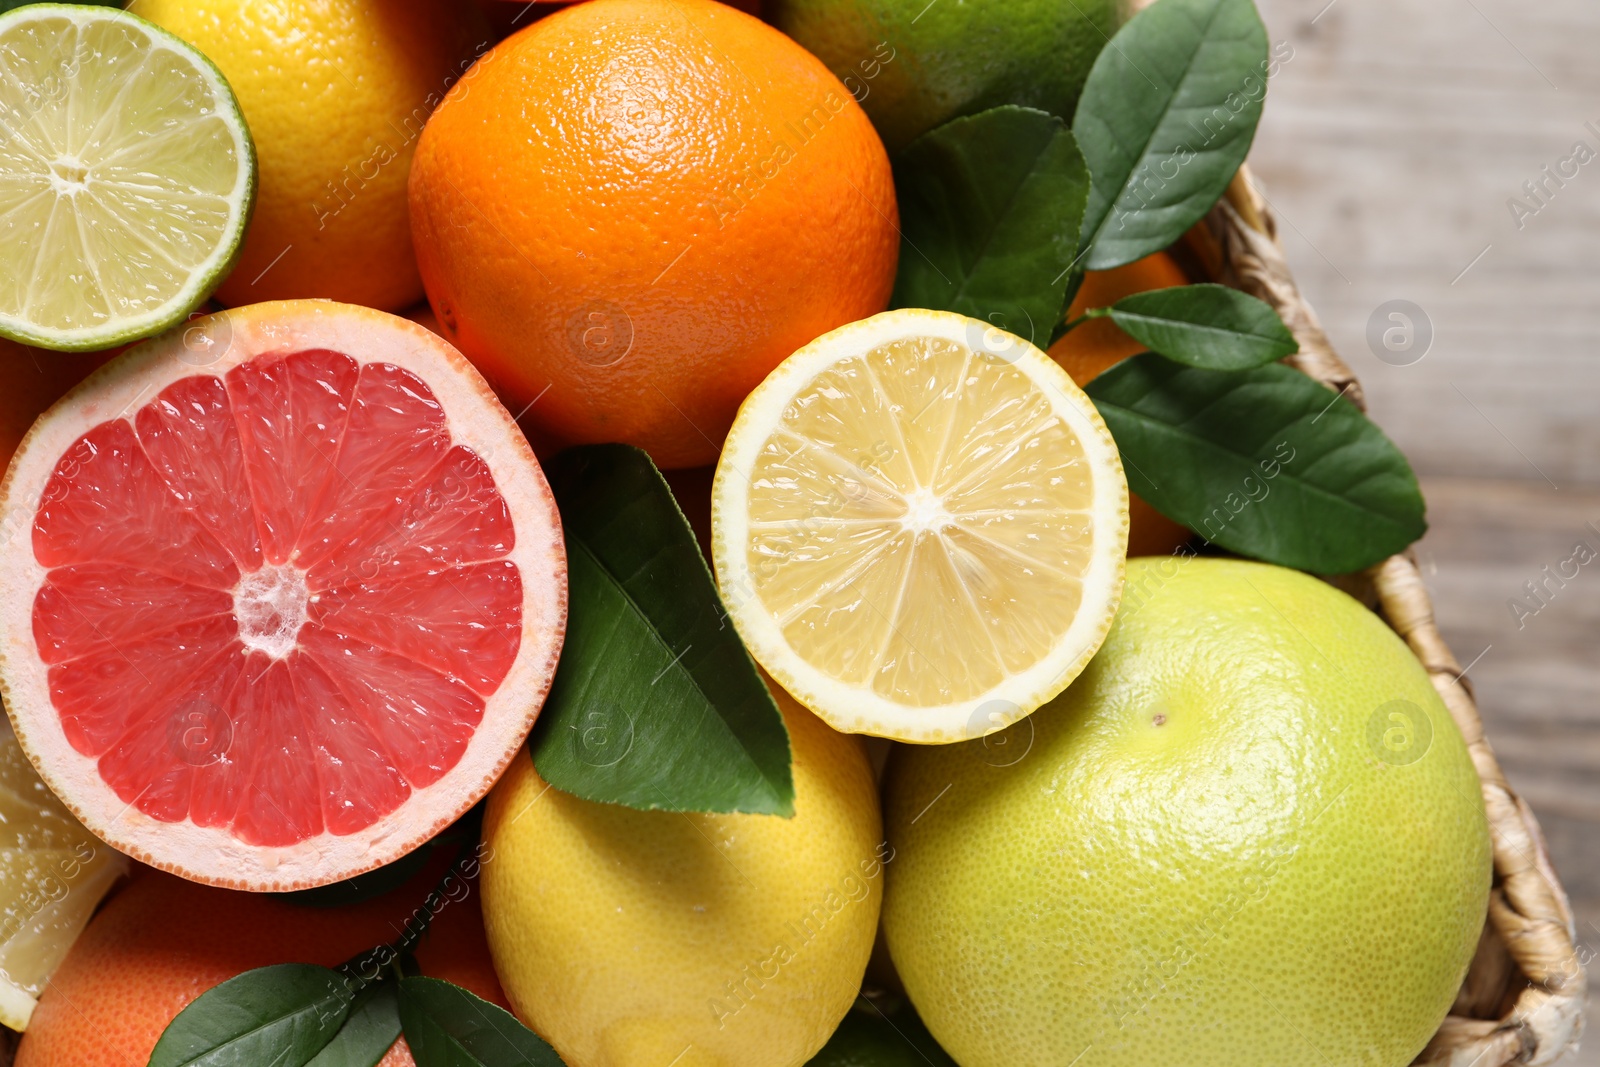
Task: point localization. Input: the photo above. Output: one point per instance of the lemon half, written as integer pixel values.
(919, 526)
(53, 873)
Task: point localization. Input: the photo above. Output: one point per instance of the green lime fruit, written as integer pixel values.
(127, 176)
(1248, 834)
(914, 65)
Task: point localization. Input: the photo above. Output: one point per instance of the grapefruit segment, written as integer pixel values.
(394, 438)
(288, 615)
(93, 607)
(107, 503)
(291, 415)
(189, 435)
(435, 619)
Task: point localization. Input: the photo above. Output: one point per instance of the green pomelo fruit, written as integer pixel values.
(1249, 834)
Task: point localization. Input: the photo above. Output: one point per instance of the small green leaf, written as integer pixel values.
(374, 883)
(1209, 326)
(1166, 117)
(372, 1026)
(990, 211)
(1264, 462)
(281, 1015)
(656, 704)
(446, 1026)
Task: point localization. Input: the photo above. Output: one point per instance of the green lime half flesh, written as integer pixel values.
(127, 177)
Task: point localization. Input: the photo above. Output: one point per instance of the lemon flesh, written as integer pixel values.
(919, 527)
(1249, 835)
(126, 177)
(53, 873)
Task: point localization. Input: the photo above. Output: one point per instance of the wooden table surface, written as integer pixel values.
(1395, 148)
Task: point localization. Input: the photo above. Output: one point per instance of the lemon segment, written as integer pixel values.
(126, 177)
(919, 527)
(53, 873)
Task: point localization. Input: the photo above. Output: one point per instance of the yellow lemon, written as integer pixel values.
(919, 525)
(336, 93)
(1249, 834)
(53, 873)
(646, 938)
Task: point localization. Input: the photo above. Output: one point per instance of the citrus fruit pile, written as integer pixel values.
(703, 632)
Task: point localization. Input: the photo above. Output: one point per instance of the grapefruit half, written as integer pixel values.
(285, 592)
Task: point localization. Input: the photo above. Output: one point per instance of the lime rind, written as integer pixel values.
(200, 279)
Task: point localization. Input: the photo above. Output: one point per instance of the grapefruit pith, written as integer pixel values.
(287, 589)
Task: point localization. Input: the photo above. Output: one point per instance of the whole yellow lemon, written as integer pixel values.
(646, 938)
(1249, 834)
(336, 93)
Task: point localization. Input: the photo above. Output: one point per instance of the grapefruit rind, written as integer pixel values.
(857, 709)
(204, 277)
(214, 345)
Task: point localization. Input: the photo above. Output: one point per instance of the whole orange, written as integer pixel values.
(630, 212)
(162, 941)
(1096, 345)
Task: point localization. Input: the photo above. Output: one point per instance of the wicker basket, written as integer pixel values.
(1523, 999)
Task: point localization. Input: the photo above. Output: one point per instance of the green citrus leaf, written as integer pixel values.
(282, 1015)
(1210, 326)
(656, 704)
(372, 1026)
(1166, 117)
(446, 1026)
(990, 211)
(1264, 462)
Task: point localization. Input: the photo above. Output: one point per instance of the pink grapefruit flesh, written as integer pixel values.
(286, 590)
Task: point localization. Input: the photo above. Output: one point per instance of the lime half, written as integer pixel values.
(127, 175)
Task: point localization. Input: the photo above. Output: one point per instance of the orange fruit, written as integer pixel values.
(1098, 343)
(162, 942)
(1151, 533)
(336, 93)
(422, 314)
(293, 595)
(32, 379)
(634, 209)
(1095, 346)
(508, 16)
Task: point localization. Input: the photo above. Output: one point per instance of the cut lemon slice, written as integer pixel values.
(53, 873)
(919, 525)
(126, 177)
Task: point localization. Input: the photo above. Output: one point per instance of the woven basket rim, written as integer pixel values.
(1522, 1001)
